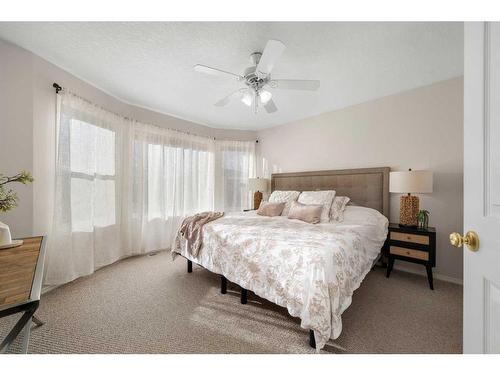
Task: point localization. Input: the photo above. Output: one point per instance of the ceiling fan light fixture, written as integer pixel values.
(247, 99)
(257, 77)
(265, 96)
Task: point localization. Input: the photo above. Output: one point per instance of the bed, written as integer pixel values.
(310, 269)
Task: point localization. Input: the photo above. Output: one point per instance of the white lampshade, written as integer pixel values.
(257, 184)
(410, 182)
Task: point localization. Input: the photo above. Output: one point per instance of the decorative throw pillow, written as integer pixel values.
(284, 196)
(271, 209)
(338, 208)
(322, 197)
(310, 213)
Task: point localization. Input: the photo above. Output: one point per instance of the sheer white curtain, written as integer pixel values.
(123, 187)
(89, 183)
(172, 177)
(236, 163)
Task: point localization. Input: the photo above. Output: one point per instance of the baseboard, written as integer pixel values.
(436, 275)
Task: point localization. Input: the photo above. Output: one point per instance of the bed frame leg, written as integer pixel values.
(312, 340)
(244, 296)
(190, 266)
(223, 285)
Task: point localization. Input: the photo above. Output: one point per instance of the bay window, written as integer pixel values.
(124, 187)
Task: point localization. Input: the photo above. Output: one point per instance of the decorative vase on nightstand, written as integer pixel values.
(423, 219)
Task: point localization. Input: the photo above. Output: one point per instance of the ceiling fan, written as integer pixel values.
(257, 79)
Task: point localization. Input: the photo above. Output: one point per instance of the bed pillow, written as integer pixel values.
(338, 208)
(310, 213)
(322, 197)
(270, 209)
(363, 215)
(284, 196)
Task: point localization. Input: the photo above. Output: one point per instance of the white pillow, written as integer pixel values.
(323, 197)
(362, 215)
(338, 207)
(286, 196)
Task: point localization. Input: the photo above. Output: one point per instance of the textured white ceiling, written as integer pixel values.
(151, 64)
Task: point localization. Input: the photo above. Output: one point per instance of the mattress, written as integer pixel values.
(310, 269)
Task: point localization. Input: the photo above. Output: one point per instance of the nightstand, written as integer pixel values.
(413, 245)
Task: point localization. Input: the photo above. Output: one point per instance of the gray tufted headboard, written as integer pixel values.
(368, 187)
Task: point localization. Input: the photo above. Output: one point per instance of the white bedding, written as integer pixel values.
(311, 269)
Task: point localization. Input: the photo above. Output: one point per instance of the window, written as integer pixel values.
(179, 181)
(124, 187)
(93, 176)
(235, 169)
(236, 161)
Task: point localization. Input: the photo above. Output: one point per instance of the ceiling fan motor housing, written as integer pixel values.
(252, 80)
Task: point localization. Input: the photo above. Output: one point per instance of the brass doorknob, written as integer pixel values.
(471, 239)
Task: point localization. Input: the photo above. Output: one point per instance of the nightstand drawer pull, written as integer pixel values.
(410, 253)
(406, 237)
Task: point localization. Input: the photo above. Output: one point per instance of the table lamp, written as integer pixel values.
(408, 182)
(257, 185)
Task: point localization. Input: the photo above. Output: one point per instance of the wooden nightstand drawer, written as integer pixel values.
(410, 253)
(408, 237)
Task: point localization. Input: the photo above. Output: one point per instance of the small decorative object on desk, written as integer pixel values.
(6, 241)
(423, 219)
(9, 200)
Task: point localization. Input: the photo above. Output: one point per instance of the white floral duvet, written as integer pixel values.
(311, 269)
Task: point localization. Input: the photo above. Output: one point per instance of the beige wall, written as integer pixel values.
(16, 135)
(27, 129)
(422, 128)
(419, 129)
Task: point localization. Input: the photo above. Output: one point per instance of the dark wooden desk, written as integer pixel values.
(21, 272)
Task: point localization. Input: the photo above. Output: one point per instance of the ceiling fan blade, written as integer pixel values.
(225, 100)
(274, 49)
(215, 72)
(295, 84)
(270, 106)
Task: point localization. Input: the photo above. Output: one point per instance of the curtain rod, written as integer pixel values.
(59, 88)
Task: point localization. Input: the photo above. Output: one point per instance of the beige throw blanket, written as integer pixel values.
(192, 229)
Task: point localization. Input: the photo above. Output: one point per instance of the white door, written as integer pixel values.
(482, 187)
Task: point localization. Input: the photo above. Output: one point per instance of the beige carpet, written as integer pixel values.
(150, 304)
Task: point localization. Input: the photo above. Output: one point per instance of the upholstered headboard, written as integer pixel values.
(368, 187)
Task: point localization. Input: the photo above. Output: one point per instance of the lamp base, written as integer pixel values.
(408, 211)
(257, 198)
